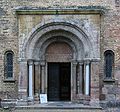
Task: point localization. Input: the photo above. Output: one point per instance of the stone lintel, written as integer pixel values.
(60, 10)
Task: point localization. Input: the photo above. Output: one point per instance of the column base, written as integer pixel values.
(30, 101)
(22, 102)
(95, 102)
(36, 99)
(30, 98)
(83, 99)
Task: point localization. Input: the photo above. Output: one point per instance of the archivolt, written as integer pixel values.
(79, 40)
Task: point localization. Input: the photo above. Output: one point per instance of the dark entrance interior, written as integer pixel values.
(59, 81)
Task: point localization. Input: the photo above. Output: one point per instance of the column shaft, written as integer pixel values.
(37, 77)
(80, 78)
(43, 79)
(30, 94)
(87, 79)
(74, 83)
(43, 76)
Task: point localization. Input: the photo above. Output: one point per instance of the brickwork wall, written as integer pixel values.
(9, 38)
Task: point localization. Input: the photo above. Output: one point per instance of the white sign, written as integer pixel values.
(43, 98)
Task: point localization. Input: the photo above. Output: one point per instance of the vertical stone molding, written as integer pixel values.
(36, 81)
(87, 77)
(30, 80)
(37, 77)
(23, 81)
(95, 81)
(73, 79)
(80, 78)
(43, 80)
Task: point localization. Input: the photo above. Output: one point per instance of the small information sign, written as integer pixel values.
(43, 98)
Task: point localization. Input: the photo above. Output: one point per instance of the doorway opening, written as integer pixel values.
(59, 82)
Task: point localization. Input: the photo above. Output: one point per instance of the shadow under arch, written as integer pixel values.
(78, 36)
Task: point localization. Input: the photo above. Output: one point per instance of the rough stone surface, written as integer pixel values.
(25, 35)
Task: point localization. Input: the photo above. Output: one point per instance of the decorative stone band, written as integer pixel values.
(61, 10)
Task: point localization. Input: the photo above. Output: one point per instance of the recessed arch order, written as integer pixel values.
(44, 35)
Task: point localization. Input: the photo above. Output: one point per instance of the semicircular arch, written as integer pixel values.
(79, 37)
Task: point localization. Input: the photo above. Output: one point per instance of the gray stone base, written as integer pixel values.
(22, 103)
(8, 103)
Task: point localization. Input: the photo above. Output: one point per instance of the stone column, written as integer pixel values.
(37, 77)
(43, 80)
(73, 79)
(80, 78)
(87, 78)
(30, 80)
(37, 82)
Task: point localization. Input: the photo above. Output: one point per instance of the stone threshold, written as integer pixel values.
(59, 105)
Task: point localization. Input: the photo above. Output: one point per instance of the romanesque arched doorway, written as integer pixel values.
(58, 57)
(60, 45)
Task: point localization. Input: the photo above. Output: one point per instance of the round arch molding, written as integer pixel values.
(73, 35)
(81, 45)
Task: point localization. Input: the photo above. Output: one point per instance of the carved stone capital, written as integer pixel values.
(42, 62)
(30, 62)
(87, 61)
(37, 62)
(74, 62)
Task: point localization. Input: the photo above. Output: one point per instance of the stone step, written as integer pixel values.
(58, 107)
(58, 110)
(8, 103)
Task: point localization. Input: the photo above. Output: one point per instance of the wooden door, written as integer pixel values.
(53, 82)
(65, 80)
(59, 81)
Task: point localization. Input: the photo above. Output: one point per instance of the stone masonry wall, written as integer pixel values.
(9, 39)
(110, 34)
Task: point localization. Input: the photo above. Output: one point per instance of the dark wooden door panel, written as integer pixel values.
(65, 81)
(59, 81)
(53, 82)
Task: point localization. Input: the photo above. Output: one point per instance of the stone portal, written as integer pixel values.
(59, 57)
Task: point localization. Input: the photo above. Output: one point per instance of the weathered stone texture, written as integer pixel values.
(104, 30)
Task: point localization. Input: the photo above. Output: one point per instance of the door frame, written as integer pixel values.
(70, 99)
